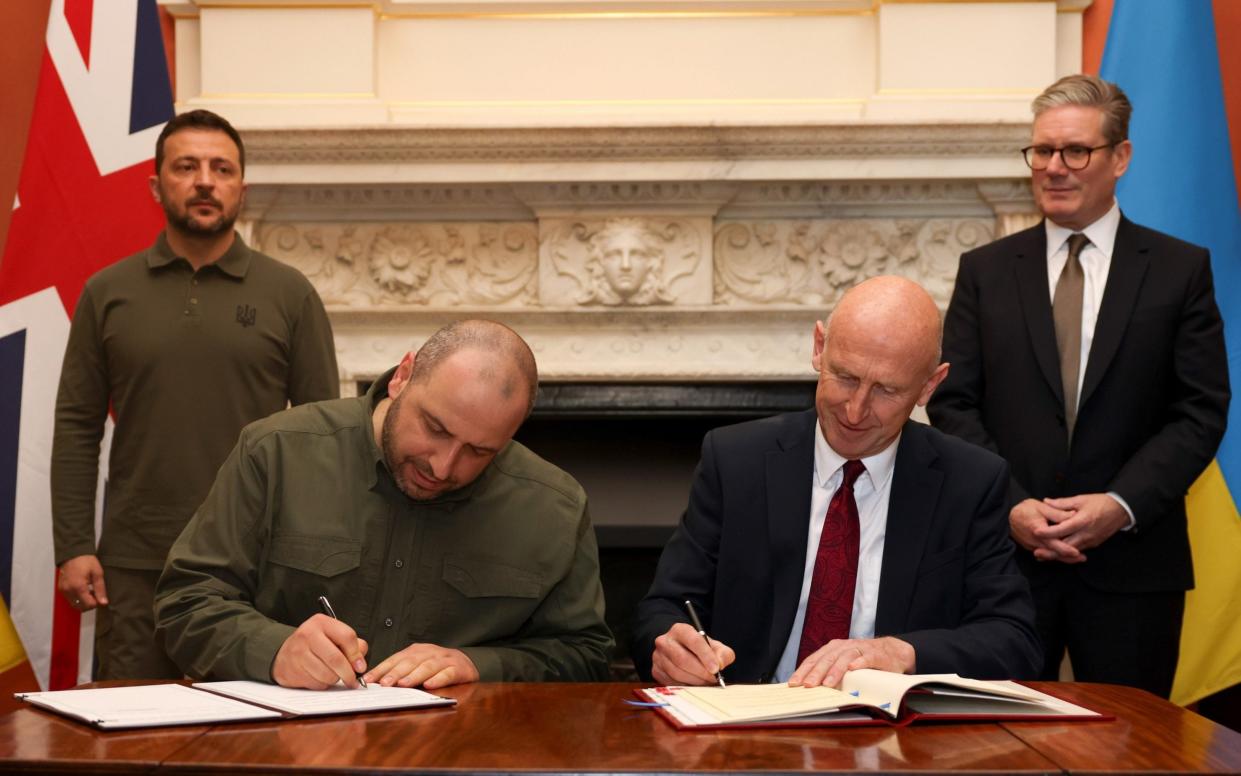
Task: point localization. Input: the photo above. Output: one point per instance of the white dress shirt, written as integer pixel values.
(871, 492)
(1096, 260)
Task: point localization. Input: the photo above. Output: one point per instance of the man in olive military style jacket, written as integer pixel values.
(183, 344)
(449, 552)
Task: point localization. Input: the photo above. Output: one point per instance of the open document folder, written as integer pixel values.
(153, 705)
(866, 697)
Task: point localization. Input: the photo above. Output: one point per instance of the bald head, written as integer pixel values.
(894, 311)
(877, 358)
(508, 363)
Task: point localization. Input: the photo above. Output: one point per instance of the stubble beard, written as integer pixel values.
(388, 443)
(184, 223)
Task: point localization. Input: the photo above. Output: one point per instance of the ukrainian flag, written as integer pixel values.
(1183, 181)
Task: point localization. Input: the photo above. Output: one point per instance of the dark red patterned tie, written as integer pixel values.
(829, 607)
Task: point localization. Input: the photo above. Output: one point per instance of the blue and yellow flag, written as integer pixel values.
(1182, 181)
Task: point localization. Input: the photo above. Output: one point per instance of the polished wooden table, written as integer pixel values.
(587, 728)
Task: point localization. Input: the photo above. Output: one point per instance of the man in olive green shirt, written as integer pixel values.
(186, 343)
(449, 552)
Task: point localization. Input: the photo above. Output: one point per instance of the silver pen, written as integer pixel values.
(693, 617)
(326, 605)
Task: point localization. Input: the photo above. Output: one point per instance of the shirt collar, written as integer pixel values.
(377, 393)
(1102, 233)
(235, 262)
(827, 461)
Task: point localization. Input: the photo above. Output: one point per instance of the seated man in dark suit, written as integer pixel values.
(847, 536)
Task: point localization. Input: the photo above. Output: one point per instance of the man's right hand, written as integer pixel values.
(682, 657)
(81, 583)
(1027, 517)
(321, 652)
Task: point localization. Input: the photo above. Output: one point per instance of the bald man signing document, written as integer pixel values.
(847, 536)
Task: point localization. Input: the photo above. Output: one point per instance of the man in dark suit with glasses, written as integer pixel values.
(1089, 352)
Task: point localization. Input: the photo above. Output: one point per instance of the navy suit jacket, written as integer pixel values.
(949, 585)
(1153, 403)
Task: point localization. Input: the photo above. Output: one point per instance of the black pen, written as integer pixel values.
(693, 616)
(330, 612)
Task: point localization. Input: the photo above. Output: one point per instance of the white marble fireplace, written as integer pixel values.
(693, 279)
(648, 190)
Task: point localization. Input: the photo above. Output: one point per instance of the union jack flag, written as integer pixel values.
(82, 203)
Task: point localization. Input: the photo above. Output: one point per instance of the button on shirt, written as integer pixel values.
(1096, 260)
(871, 492)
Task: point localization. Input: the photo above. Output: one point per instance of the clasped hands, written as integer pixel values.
(681, 656)
(323, 651)
(1060, 529)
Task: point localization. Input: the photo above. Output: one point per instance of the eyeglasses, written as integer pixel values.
(1075, 157)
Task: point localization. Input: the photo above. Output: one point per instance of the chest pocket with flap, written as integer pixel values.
(325, 556)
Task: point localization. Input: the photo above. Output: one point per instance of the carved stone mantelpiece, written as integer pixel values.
(680, 281)
(562, 145)
(716, 272)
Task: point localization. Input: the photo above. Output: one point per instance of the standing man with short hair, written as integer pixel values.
(184, 343)
(1089, 352)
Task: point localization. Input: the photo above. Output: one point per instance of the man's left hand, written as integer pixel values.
(827, 665)
(1096, 516)
(429, 665)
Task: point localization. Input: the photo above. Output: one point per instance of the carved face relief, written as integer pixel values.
(626, 262)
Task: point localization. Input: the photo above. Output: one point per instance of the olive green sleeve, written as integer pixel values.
(565, 639)
(204, 611)
(313, 375)
(81, 409)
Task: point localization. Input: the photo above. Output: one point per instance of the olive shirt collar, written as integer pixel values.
(377, 393)
(235, 262)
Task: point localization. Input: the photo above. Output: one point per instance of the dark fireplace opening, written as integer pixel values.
(633, 447)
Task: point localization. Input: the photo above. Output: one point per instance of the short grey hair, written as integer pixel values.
(1091, 92)
(490, 337)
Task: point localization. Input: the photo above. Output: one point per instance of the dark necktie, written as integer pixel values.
(1066, 311)
(829, 607)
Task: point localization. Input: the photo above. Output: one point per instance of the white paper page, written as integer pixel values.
(689, 713)
(962, 706)
(753, 702)
(334, 700)
(145, 706)
(885, 689)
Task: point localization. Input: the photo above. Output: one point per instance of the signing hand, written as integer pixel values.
(1030, 518)
(429, 665)
(827, 665)
(320, 653)
(81, 583)
(682, 656)
(1093, 518)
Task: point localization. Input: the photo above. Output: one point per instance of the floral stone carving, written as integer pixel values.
(441, 265)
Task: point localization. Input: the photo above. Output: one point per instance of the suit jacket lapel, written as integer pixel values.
(790, 467)
(911, 506)
(1030, 266)
(1124, 279)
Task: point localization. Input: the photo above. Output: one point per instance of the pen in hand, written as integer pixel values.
(327, 609)
(693, 617)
